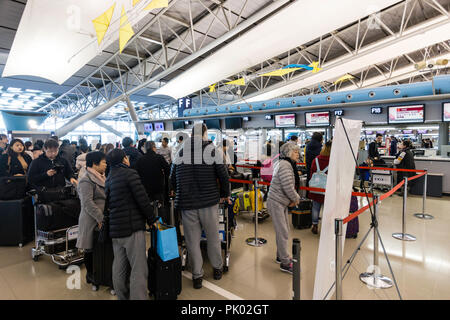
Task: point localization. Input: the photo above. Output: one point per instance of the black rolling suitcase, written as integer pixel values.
(57, 215)
(102, 261)
(16, 222)
(164, 277)
(301, 215)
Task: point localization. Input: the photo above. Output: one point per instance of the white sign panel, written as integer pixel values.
(341, 171)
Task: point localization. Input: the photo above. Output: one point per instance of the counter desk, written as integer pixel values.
(435, 165)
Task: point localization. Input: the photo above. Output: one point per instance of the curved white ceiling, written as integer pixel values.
(297, 24)
(57, 38)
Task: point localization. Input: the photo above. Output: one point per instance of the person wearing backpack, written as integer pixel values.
(319, 167)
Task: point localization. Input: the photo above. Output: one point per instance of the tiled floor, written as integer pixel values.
(422, 268)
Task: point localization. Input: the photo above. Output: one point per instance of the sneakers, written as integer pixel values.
(278, 260)
(197, 283)
(287, 267)
(89, 278)
(315, 229)
(218, 274)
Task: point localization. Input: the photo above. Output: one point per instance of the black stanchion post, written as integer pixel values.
(256, 242)
(338, 224)
(403, 235)
(296, 276)
(424, 215)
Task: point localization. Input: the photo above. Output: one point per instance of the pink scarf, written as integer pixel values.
(99, 176)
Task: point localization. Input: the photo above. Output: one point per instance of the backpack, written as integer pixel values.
(318, 179)
(267, 169)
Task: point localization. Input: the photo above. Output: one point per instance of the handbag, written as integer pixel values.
(12, 187)
(166, 241)
(318, 179)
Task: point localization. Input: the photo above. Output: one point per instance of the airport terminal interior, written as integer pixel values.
(327, 123)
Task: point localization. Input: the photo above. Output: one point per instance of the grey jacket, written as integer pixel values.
(92, 197)
(282, 187)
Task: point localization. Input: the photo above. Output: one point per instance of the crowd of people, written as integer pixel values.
(125, 183)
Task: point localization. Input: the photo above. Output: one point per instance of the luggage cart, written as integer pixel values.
(382, 179)
(58, 244)
(224, 234)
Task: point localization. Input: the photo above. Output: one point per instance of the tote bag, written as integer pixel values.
(318, 179)
(166, 242)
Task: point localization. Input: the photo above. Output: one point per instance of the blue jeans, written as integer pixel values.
(316, 206)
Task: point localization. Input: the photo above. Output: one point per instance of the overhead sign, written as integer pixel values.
(148, 127)
(183, 104)
(317, 119)
(339, 113)
(406, 114)
(376, 110)
(446, 111)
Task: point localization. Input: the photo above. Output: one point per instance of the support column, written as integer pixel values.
(109, 128)
(443, 134)
(134, 117)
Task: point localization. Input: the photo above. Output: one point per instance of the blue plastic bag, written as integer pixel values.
(166, 242)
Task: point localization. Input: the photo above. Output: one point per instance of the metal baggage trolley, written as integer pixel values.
(58, 244)
(224, 234)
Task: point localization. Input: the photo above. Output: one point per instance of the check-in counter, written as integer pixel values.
(440, 166)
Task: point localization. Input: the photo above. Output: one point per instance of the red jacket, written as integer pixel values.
(323, 163)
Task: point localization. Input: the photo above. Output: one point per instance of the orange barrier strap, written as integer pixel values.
(312, 189)
(361, 194)
(391, 169)
(265, 183)
(248, 167)
(391, 192)
(416, 176)
(301, 164)
(357, 213)
(241, 181)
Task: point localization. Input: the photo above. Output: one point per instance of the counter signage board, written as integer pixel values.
(407, 114)
(183, 104)
(317, 119)
(446, 111)
(285, 120)
(376, 110)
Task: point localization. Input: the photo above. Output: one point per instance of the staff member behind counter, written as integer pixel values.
(50, 170)
(404, 160)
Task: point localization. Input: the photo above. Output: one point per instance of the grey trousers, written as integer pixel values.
(194, 221)
(130, 270)
(280, 220)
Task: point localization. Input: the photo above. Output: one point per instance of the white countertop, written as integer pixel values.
(435, 158)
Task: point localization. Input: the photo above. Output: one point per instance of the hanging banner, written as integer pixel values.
(341, 171)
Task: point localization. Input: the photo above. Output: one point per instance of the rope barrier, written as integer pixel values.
(391, 169)
(416, 176)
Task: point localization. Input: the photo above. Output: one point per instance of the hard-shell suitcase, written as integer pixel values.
(303, 183)
(252, 200)
(301, 215)
(102, 261)
(353, 225)
(16, 222)
(57, 215)
(164, 277)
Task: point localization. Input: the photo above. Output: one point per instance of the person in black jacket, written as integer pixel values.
(15, 162)
(154, 172)
(393, 148)
(404, 160)
(129, 210)
(131, 152)
(3, 143)
(313, 150)
(373, 147)
(200, 180)
(50, 170)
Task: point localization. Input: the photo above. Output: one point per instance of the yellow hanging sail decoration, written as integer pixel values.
(344, 78)
(157, 4)
(125, 31)
(135, 2)
(279, 72)
(238, 82)
(212, 88)
(315, 66)
(101, 23)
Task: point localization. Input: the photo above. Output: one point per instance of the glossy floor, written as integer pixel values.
(421, 268)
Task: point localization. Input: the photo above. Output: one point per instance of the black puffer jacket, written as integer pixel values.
(127, 201)
(14, 167)
(312, 151)
(133, 154)
(154, 172)
(37, 172)
(199, 185)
